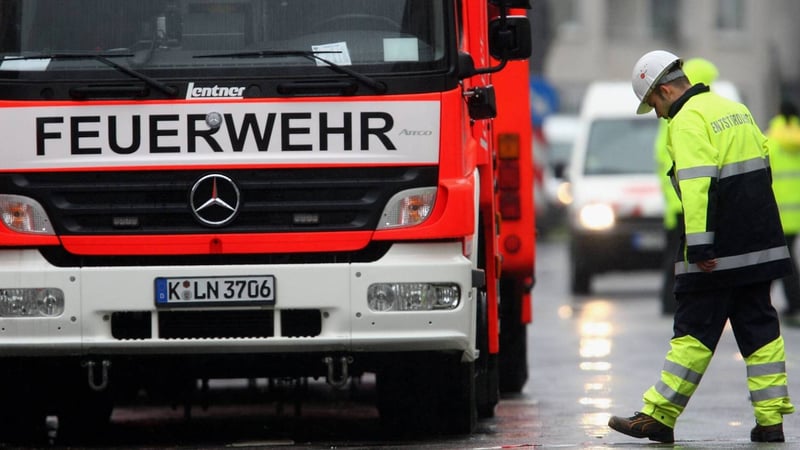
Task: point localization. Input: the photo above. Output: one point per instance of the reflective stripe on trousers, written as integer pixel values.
(766, 380)
(687, 361)
(685, 364)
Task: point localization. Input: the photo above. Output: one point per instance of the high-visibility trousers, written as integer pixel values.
(699, 322)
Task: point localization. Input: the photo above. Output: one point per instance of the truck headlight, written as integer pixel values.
(31, 302)
(24, 215)
(596, 216)
(413, 296)
(408, 208)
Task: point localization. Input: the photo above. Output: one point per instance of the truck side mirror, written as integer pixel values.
(481, 103)
(510, 38)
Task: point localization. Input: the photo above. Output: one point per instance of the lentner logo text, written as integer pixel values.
(215, 91)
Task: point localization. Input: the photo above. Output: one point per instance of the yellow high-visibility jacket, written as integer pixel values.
(722, 176)
(698, 70)
(672, 204)
(784, 159)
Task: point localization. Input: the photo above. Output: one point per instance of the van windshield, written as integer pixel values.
(380, 36)
(621, 146)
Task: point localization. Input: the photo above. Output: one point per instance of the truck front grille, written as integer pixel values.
(271, 200)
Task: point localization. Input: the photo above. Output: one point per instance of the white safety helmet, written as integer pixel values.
(648, 73)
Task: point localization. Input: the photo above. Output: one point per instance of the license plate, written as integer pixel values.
(193, 291)
(649, 241)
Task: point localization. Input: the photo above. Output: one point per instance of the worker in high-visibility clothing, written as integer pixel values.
(697, 70)
(784, 159)
(733, 247)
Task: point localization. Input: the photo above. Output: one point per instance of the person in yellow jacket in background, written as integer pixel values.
(697, 70)
(784, 158)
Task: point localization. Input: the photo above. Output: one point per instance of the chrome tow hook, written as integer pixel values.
(92, 377)
(334, 378)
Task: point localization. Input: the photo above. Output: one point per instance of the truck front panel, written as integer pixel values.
(193, 189)
(210, 177)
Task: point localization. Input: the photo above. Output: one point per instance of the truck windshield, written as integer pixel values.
(167, 36)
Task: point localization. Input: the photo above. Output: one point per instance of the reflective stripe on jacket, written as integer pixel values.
(723, 178)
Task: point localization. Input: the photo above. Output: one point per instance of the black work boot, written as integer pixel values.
(768, 433)
(643, 426)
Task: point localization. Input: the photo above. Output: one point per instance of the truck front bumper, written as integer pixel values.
(318, 308)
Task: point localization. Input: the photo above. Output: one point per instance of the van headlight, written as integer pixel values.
(596, 216)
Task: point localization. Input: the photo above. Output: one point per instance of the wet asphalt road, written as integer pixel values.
(590, 357)
(594, 356)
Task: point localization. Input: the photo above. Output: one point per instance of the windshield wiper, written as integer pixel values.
(103, 58)
(375, 85)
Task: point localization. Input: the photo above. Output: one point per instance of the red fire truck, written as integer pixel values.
(515, 179)
(211, 189)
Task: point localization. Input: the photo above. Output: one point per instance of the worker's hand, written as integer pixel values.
(707, 265)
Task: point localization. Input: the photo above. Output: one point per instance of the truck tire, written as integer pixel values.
(487, 378)
(513, 338)
(487, 382)
(427, 393)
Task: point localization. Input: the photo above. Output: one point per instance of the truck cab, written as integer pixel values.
(201, 189)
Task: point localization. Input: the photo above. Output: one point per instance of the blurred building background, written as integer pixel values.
(754, 43)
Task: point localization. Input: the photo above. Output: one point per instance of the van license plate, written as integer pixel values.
(193, 291)
(649, 240)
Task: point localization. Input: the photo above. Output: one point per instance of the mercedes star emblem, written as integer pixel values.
(215, 200)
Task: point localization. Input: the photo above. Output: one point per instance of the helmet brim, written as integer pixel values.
(643, 108)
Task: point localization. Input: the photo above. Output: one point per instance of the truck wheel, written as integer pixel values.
(486, 367)
(430, 393)
(513, 339)
(457, 407)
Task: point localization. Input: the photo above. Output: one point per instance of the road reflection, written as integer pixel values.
(595, 331)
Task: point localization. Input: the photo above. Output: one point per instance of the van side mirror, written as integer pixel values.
(560, 169)
(510, 38)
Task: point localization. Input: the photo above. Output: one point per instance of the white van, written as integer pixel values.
(616, 215)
